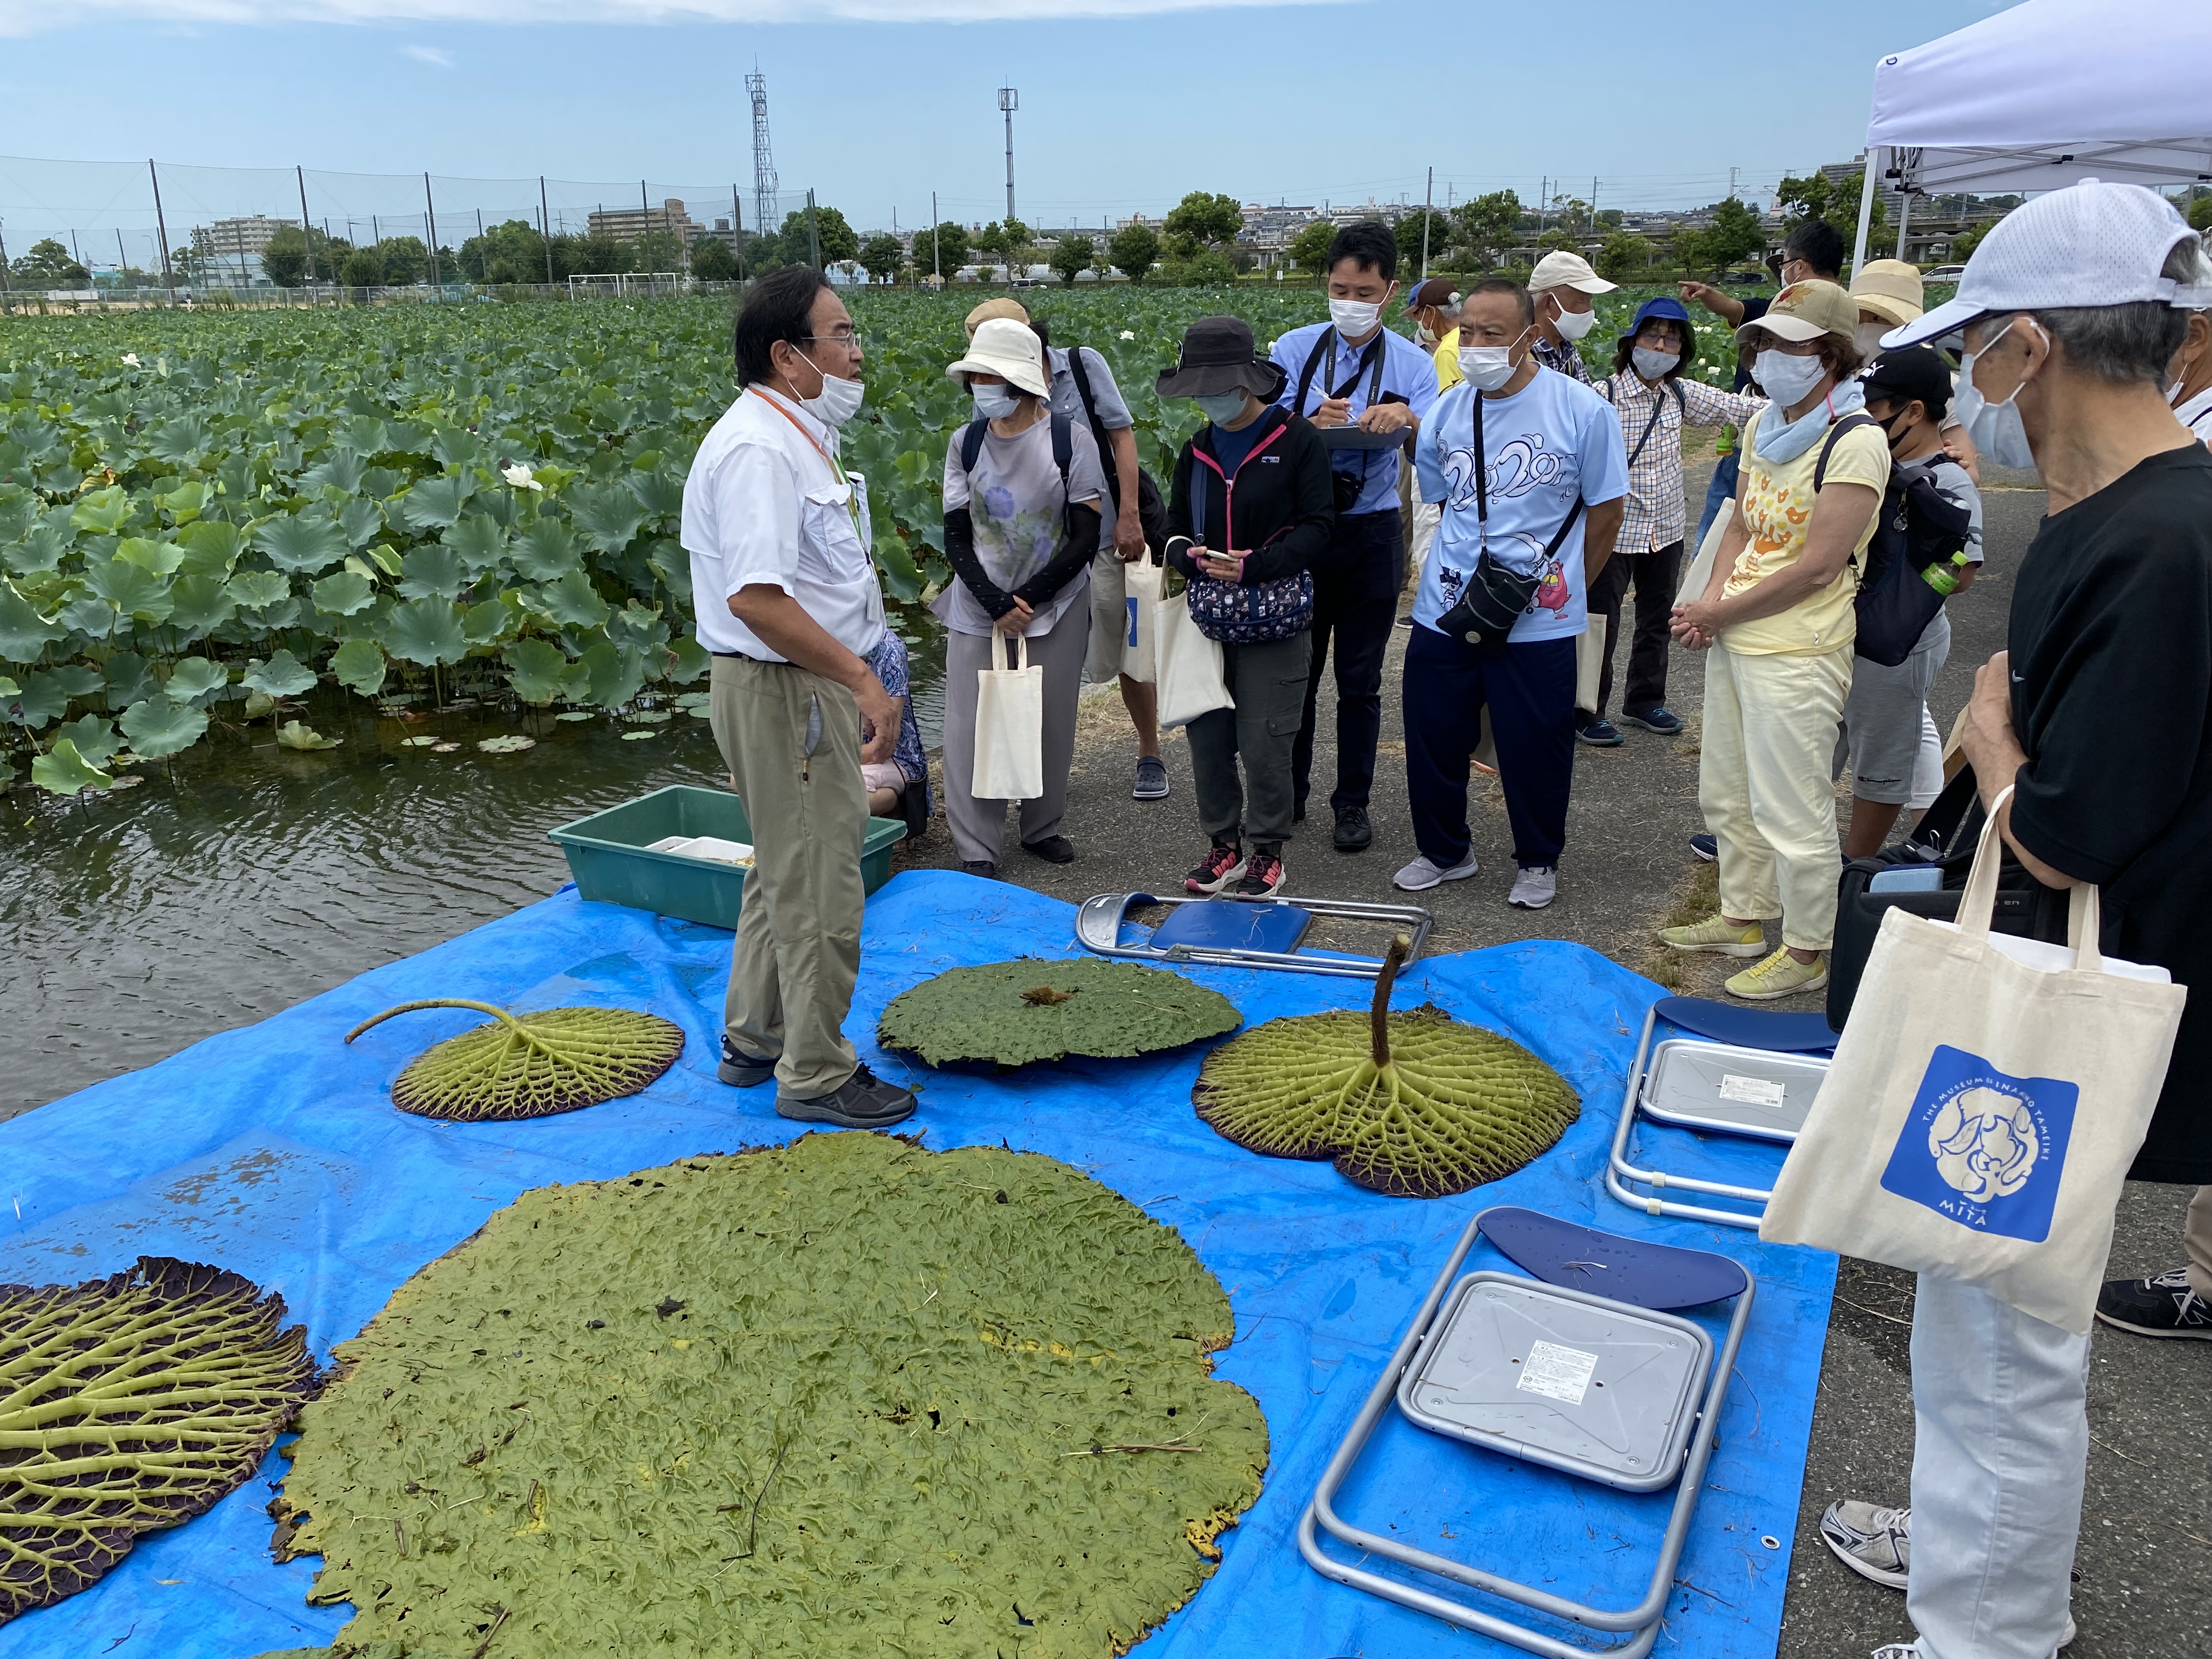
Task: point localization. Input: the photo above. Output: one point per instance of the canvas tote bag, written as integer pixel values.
(1187, 666)
(1144, 584)
(1590, 647)
(1987, 1097)
(1009, 727)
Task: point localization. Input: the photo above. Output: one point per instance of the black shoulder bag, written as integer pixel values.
(1495, 597)
(1152, 506)
(1347, 485)
(1063, 455)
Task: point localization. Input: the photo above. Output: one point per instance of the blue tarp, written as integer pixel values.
(274, 1151)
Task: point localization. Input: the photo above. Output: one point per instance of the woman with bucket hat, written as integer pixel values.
(1251, 507)
(1022, 488)
(1655, 401)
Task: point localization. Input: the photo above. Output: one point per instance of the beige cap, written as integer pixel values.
(1806, 311)
(1890, 289)
(1561, 268)
(990, 309)
(1007, 348)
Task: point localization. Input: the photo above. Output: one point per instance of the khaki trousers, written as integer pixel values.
(1764, 786)
(2196, 1234)
(792, 740)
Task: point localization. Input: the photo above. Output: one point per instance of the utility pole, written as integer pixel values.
(161, 229)
(546, 228)
(813, 237)
(738, 232)
(1732, 173)
(935, 270)
(3, 267)
(307, 230)
(122, 263)
(1008, 101)
(430, 213)
(1428, 203)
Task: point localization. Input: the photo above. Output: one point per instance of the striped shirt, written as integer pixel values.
(1654, 518)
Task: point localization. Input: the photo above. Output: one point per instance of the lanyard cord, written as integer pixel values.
(837, 472)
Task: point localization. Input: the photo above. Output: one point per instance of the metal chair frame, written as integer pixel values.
(1098, 930)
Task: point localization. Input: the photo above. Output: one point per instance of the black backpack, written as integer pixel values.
(1151, 506)
(1063, 453)
(1917, 526)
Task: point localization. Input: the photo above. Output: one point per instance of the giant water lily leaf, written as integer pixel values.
(534, 669)
(62, 771)
(432, 573)
(157, 1390)
(1415, 1105)
(571, 601)
(161, 725)
(358, 664)
(92, 737)
(342, 594)
(1017, 1012)
(982, 1384)
(282, 675)
(194, 677)
(608, 514)
(434, 503)
(426, 631)
(201, 604)
(532, 1065)
(104, 512)
(544, 552)
(308, 543)
(24, 634)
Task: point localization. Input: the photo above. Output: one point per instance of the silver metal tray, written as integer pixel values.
(1574, 1382)
(1743, 1092)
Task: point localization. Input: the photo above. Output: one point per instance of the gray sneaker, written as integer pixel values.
(1536, 886)
(1875, 1543)
(862, 1100)
(1423, 873)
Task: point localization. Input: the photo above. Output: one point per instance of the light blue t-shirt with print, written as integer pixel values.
(1553, 440)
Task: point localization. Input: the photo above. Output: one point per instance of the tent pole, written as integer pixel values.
(1875, 153)
(1903, 215)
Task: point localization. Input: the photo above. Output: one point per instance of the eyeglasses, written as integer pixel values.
(843, 336)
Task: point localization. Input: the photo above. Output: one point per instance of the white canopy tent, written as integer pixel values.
(2043, 95)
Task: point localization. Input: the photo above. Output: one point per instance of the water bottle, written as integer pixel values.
(1944, 578)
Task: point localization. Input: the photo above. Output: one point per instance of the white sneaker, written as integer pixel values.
(1912, 1650)
(1535, 887)
(1873, 1541)
(1421, 874)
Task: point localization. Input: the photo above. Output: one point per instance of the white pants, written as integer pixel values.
(2000, 1447)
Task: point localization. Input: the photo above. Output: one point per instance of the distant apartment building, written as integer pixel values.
(238, 239)
(628, 224)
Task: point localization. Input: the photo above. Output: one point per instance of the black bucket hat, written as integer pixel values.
(1219, 357)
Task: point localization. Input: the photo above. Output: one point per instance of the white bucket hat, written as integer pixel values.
(2092, 244)
(1009, 349)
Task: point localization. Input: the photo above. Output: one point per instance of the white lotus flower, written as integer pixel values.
(1128, 333)
(130, 360)
(518, 474)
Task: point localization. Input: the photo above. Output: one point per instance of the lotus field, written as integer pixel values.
(204, 516)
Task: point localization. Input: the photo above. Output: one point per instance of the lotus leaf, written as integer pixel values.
(544, 551)
(193, 678)
(571, 601)
(434, 503)
(483, 624)
(129, 1404)
(478, 543)
(257, 590)
(340, 470)
(432, 572)
(211, 548)
(133, 590)
(62, 771)
(359, 520)
(342, 594)
(426, 631)
(128, 677)
(838, 1400)
(187, 502)
(647, 716)
(534, 669)
(513, 743)
(161, 725)
(36, 701)
(604, 676)
(199, 604)
(638, 737)
(1110, 1009)
(93, 737)
(292, 734)
(577, 714)
(75, 679)
(309, 543)
(37, 553)
(258, 704)
(24, 634)
(161, 558)
(282, 675)
(88, 614)
(608, 514)
(1415, 1105)
(532, 1065)
(103, 511)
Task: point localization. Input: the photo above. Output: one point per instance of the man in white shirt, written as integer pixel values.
(789, 604)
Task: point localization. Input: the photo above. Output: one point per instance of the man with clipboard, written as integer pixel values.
(1365, 390)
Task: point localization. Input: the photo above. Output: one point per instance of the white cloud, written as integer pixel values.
(18, 17)
(430, 55)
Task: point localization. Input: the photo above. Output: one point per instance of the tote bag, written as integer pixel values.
(1987, 1097)
(1187, 666)
(1590, 647)
(1009, 727)
(1143, 583)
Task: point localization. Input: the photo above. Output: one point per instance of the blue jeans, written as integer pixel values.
(1529, 690)
(1722, 487)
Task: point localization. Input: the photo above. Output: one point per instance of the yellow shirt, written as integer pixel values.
(1448, 374)
(1775, 501)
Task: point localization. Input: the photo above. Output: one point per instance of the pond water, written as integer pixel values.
(246, 876)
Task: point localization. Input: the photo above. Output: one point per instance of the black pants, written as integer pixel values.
(1355, 602)
(1528, 691)
(1656, 575)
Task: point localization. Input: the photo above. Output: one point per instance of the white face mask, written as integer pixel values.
(1222, 407)
(1786, 379)
(1486, 367)
(837, 402)
(1995, 428)
(1424, 334)
(1652, 364)
(1867, 337)
(1354, 318)
(995, 403)
(1573, 325)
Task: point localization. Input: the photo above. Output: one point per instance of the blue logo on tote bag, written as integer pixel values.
(1984, 1148)
(1132, 603)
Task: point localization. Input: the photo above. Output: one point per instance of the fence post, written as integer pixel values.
(307, 230)
(546, 229)
(161, 228)
(430, 214)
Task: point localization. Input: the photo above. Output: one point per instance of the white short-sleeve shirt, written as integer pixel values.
(766, 503)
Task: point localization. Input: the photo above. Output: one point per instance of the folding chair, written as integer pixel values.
(1616, 1388)
(1244, 932)
(1746, 1072)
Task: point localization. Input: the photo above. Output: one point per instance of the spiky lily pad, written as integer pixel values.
(1105, 1010)
(838, 1400)
(129, 1404)
(532, 1065)
(1414, 1104)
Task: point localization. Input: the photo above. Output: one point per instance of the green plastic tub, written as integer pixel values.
(610, 854)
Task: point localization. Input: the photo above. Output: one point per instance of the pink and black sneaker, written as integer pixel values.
(1263, 875)
(1222, 864)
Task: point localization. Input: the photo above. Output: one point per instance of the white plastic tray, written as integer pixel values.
(1695, 1084)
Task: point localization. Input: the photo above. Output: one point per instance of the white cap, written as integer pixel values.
(2090, 245)
(1561, 268)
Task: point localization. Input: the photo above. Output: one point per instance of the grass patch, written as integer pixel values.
(1696, 897)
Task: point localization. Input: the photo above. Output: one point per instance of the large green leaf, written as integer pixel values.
(426, 631)
(478, 543)
(62, 771)
(609, 515)
(24, 634)
(544, 552)
(344, 594)
(484, 624)
(661, 493)
(282, 675)
(434, 503)
(571, 601)
(38, 699)
(432, 572)
(257, 590)
(131, 589)
(534, 669)
(193, 678)
(42, 551)
(187, 502)
(358, 665)
(199, 604)
(360, 520)
(129, 676)
(103, 511)
(92, 735)
(691, 660)
(161, 558)
(161, 725)
(605, 676)
(341, 468)
(211, 548)
(308, 543)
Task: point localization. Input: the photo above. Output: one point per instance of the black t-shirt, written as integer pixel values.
(2111, 639)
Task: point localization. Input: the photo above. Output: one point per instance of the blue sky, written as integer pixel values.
(1339, 101)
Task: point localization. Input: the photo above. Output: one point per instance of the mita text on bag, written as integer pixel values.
(1243, 613)
(1917, 526)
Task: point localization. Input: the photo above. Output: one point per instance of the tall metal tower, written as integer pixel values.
(764, 179)
(1010, 101)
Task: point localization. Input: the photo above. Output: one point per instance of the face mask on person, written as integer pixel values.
(1787, 380)
(1424, 334)
(995, 403)
(1573, 325)
(1867, 337)
(1652, 364)
(1488, 367)
(837, 402)
(1995, 428)
(1222, 407)
(1355, 318)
